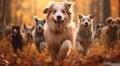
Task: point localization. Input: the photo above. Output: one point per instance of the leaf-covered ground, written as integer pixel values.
(30, 57)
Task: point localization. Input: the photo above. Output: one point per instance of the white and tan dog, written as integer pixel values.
(28, 34)
(85, 34)
(60, 32)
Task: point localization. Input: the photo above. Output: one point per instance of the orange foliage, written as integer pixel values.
(30, 57)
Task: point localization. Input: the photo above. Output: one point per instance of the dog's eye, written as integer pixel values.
(42, 23)
(112, 22)
(63, 11)
(88, 19)
(54, 11)
(83, 20)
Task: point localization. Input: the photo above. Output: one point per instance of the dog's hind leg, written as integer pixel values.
(65, 49)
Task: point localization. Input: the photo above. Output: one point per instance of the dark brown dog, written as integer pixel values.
(17, 39)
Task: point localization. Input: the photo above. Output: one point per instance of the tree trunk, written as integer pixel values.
(106, 9)
(92, 5)
(8, 12)
(119, 7)
(3, 2)
(98, 11)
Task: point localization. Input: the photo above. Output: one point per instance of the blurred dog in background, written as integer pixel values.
(17, 39)
(85, 34)
(110, 33)
(27, 33)
(38, 35)
(98, 29)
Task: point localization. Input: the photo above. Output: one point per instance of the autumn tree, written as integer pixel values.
(106, 9)
(92, 7)
(2, 16)
(7, 11)
(119, 7)
(98, 10)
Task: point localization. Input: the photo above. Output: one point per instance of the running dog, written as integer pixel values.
(27, 32)
(17, 39)
(110, 33)
(60, 32)
(85, 34)
(98, 29)
(38, 35)
(7, 31)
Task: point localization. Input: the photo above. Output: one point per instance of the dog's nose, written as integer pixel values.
(39, 27)
(86, 23)
(28, 33)
(115, 26)
(59, 17)
(14, 31)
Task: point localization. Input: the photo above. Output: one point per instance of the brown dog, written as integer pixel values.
(110, 33)
(119, 29)
(60, 32)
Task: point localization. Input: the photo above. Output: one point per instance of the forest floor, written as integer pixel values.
(30, 57)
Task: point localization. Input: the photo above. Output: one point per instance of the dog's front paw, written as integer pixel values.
(42, 46)
(79, 47)
(85, 52)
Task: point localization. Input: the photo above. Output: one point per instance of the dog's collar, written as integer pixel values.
(85, 34)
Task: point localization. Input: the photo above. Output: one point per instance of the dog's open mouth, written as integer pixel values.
(58, 23)
(86, 26)
(39, 30)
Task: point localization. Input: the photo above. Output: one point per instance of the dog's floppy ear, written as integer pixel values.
(12, 27)
(18, 27)
(80, 16)
(48, 9)
(108, 20)
(118, 20)
(68, 4)
(92, 16)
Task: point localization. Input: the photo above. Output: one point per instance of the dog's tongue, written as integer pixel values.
(39, 30)
(58, 23)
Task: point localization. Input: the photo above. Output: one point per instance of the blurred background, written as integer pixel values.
(18, 12)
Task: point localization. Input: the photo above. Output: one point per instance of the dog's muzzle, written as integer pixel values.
(58, 22)
(115, 27)
(14, 32)
(86, 24)
(39, 29)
